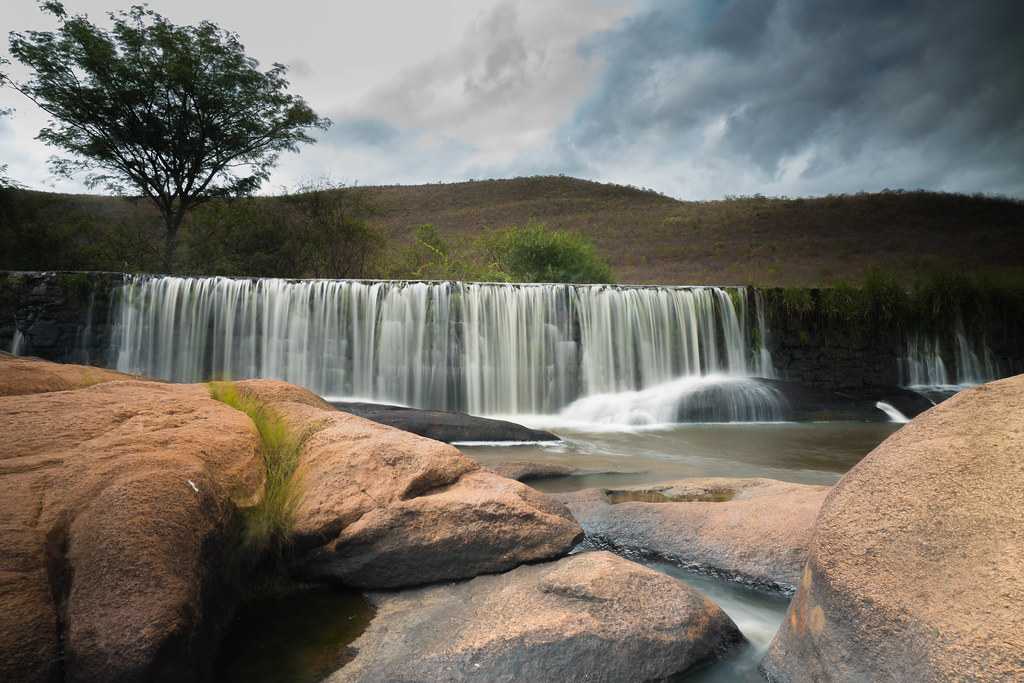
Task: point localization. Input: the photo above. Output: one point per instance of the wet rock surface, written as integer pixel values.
(444, 426)
(754, 531)
(590, 616)
(807, 403)
(384, 508)
(118, 502)
(525, 470)
(915, 566)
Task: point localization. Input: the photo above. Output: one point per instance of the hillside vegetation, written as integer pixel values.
(645, 237)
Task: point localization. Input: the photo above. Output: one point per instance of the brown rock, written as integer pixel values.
(754, 531)
(591, 616)
(385, 508)
(915, 568)
(20, 376)
(525, 470)
(115, 509)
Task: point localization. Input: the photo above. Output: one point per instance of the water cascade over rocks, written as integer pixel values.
(473, 347)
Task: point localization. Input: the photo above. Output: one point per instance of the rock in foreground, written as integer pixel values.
(916, 567)
(592, 616)
(116, 505)
(382, 508)
(21, 376)
(754, 531)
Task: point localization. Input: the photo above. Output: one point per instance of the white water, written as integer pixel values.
(892, 411)
(603, 354)
(924, 360)
(475, 347)
(711, 398)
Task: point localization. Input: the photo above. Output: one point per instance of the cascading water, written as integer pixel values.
(475, 347)
(924, 363)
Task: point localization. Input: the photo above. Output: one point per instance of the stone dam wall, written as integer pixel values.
(69, 317)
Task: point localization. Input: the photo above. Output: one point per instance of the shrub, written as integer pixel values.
(886, 299)
(537, 254)
(797, 301)
(841, 301)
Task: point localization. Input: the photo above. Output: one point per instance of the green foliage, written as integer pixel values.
(241, 237)
(433, 256)
(886, 298)
(37, 235)
(333, 223)
(537, 254)
(841, 301)
(268, 523)
(179, 114)
(5, 182)
(797, 301)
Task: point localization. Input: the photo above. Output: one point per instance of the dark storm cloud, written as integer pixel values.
(914, 93)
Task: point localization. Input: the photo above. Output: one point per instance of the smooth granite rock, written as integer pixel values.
(754, 531)
(915, 570)
(588, 617)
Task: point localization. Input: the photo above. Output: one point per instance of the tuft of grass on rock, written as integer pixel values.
(266, 526)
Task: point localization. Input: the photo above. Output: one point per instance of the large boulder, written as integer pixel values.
(19, 376)
(444, 426)
(384, 508)
(116, 505)
(591, 616)
(915, 571)
(754, 531)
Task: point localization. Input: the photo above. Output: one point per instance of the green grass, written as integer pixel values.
(267, 524)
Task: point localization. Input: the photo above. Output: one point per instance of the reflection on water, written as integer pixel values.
(804, 453)
(616, 497)
(299, 639)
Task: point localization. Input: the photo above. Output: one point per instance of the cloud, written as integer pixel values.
(740, 96)
(500, 91)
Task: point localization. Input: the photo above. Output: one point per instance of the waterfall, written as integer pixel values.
(924, 363)
(482, 348)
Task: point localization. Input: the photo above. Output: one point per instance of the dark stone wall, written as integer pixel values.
(857, 350)
(833, 354)
(60, 316)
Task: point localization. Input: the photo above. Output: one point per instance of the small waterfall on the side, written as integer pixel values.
(951, 360)
(475, 347)
(17, 343)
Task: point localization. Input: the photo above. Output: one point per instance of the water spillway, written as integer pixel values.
(482, 348)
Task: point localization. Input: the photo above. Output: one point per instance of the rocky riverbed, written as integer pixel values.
(122, 498)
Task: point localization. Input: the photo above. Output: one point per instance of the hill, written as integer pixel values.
(652, 239)
(646, 237)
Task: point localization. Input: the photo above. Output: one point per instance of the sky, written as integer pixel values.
(696, 99)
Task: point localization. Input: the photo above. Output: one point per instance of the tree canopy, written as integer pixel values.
(178, 113)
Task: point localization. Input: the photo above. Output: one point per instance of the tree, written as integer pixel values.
(179, 113)
(5, 182)
(333, 221)
(536, 254)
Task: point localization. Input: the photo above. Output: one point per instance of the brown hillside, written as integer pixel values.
(652, 239)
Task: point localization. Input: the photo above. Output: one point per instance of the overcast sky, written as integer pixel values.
(697, 99)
